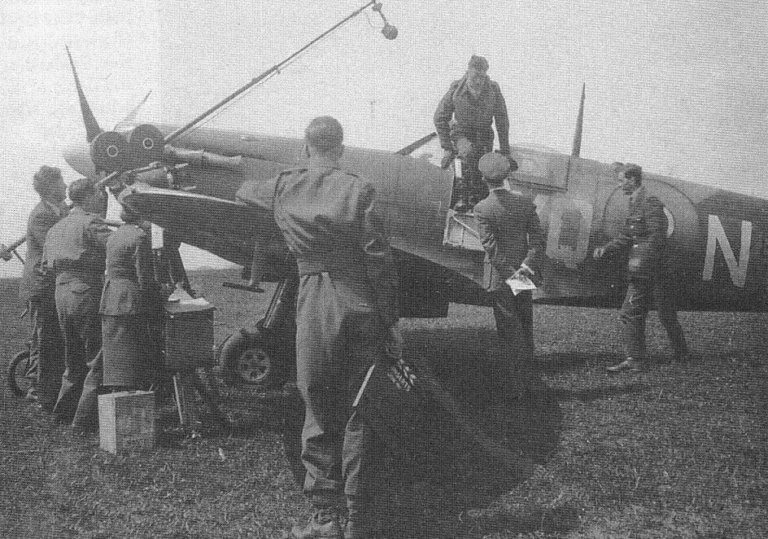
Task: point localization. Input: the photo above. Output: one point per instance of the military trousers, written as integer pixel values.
(338, 337)
(514, 324)
(471, 183)
(77, 303)
(642, 294)
(46, 349)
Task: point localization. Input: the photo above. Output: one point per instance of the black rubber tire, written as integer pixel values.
(18, 382)
(251, 359)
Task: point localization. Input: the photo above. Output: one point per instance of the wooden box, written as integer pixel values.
(127, 421)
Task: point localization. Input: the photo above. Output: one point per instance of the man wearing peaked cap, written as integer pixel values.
(511, 235)
(464, 119)
(494, 166)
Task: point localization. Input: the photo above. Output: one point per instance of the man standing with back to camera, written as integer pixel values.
(76, 250)
(46, 348)
(347, 299)
(645, 238)
(510, 232)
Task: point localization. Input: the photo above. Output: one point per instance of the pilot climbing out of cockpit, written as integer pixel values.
(644, 237)
(463, 121)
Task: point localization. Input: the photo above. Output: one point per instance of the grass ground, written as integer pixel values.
(679, 451)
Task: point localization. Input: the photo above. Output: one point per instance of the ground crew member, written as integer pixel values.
(346, 301)
(37, 289)
(129, 304)
(514, 245)
(474, 102)
(645, 238)
(75, 249)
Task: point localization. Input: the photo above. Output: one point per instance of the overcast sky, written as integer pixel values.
(677, 86)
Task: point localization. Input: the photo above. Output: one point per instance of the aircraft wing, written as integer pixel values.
(222, 227)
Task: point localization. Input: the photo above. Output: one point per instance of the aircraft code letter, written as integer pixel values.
(568, 235)
(715, 235)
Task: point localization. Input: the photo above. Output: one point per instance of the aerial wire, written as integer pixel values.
(389, 31)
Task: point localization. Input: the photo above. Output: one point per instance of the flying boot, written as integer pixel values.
(323, 524)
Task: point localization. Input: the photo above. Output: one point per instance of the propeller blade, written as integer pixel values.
(132, 115)
(91, 125)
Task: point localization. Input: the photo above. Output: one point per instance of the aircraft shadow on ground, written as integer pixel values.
(560, 362)
(452, 472)
(423, 489)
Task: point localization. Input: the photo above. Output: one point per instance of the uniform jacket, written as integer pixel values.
(76, 246)
(34, 282)
(473, 116)
(511, 235)
(329, 223)
(130, 276)
(644, 235)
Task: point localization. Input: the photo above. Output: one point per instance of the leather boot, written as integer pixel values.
(628, 365)
(323, 524)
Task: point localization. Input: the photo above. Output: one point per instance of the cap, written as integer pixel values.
(494, 166)
(632, 170)
(478, 62)
(324, 133)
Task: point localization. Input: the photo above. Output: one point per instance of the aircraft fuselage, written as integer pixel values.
(717, 239)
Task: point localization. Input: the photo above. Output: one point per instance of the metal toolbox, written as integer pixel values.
(188, 334)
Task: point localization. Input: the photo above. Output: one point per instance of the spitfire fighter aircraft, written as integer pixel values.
(185, 181)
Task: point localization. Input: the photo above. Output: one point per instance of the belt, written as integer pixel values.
(309, 266)
(90, 277)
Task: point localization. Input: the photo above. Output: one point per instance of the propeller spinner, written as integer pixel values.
(112, 151)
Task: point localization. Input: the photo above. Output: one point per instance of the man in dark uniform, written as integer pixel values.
(347, 299)
(75, 249)
(474, 102)
(38, 289)
(514, 245)
(645, 238)
(130, 302)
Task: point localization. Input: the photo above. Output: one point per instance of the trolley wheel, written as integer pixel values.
(251, 359)
(19, 368)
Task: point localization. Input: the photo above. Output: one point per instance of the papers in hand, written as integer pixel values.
(520, 282)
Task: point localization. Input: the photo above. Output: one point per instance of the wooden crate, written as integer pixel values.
(127, 421)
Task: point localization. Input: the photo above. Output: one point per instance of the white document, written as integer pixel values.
(520, 283)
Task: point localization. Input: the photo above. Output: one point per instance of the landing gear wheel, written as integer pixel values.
(254, 365)
(19, 381)
(251, 359)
